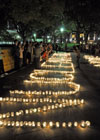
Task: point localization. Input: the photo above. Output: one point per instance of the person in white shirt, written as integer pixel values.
(77, 52)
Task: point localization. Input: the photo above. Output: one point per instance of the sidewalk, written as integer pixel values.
(89, 80)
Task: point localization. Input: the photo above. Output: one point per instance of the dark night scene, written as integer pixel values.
(49, 69)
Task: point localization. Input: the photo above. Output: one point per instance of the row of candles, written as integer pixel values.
(49, 124)
(49, 82)
(45, 108)
(59, 66)
(54, 71)
(42, 100)
(74, 86)
(44, 93)
(70, 77)
(93, 60)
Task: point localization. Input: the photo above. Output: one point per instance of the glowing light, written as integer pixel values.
(51, 124)
(75, 124)
(95, 61)
(38, 124)
(1, 123)
(17, 124)
(33, 124)
(83, 124)
(64, 125)
(57, 124)
(44, 124)
(69, 124)
(88, 123)
(61, 29)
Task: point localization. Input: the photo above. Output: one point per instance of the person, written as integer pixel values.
(21, 49)
(37, 55)
(16, 54)
(66, 47)
(29, 51)
(56, 47)
(77, 52)
(33, 52)
(2, 72)
(25, 45)
(97, 51)
(1, 64)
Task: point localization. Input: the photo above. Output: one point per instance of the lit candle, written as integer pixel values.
(69, 124)
(38, 124)
(33, 124)
(0, 116)
(35, 110)
(21, 123)
(5, 123)
(26, 111)
(75, 124)
(39, 109)
(12, 114)
(8, 123)
(57, 124)
(30, 123)
(1, 99)
(17, 113)
(44, 108)
(44, 124)
(88, 123)
(25, 123)
(17, 124)
(64, 124)
(51, 124)
(12, 123)
(8, 115)
(83, 124)
(1, 123)
(4, 116)
(82, 101)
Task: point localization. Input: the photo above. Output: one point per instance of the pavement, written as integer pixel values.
(89, 79)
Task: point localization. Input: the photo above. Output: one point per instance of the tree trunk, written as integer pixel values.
(86, 37)
(68, 37)
(78, 36)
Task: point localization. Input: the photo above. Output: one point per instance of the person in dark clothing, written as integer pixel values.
(37, 56)
(25, 53)
(77, 52)
(57, 47)
(1, 63)
(16, 55)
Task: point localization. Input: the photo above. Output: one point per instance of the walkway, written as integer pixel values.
(45, 110)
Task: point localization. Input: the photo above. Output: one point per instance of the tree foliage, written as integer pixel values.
(46, 16)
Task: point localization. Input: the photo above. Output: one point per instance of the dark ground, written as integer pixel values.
(89, 79)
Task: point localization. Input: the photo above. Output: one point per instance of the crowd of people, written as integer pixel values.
(30, 52)
(25, 53)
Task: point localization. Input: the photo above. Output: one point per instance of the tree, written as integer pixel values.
(3, 14)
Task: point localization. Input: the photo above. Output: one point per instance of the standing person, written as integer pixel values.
(16, 55)
(1, 64)
(97, 50)
(77, 52)
(25, 44)
(37, 55)
(29, 51)
(66, 47)
(21, 49)
(57, 48)
(33, 52)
